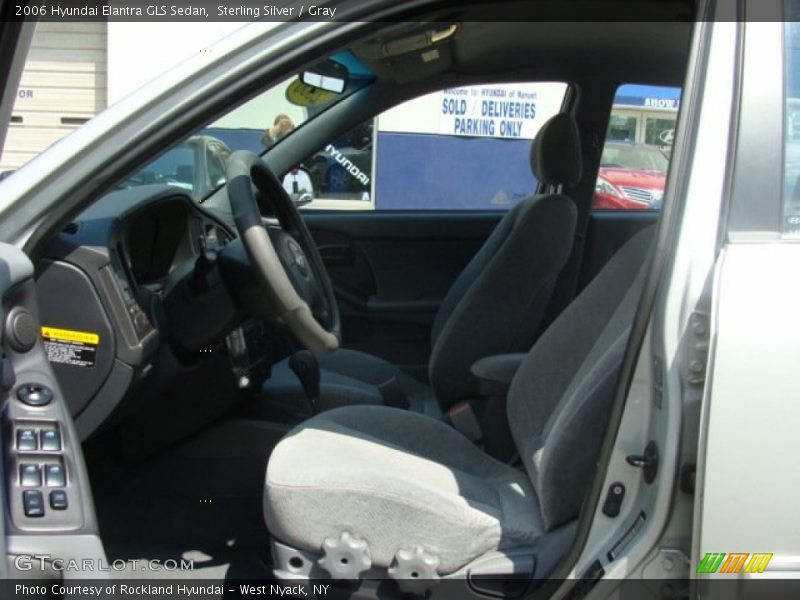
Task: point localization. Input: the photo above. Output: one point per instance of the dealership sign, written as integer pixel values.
(503, 111)
(497, 111)
(648, 97)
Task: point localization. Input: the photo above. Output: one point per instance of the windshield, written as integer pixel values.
(197, 164)
(633, 156)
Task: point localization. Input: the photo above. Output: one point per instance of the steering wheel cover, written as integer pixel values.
(245, 169)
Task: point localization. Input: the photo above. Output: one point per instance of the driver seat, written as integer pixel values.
(495, 306)
(370, 491)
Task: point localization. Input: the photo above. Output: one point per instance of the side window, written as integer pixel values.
(633, 165)
(791, 169)
(460, 148)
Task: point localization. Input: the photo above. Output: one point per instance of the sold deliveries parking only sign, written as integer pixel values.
(504, 111)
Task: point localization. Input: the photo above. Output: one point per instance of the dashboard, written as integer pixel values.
(85, 339)
(119, 260)
(159, 237)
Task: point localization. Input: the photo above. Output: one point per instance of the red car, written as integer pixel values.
(631, 176)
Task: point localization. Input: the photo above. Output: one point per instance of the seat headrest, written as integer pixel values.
(556, 152)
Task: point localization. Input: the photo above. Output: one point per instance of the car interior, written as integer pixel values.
(409, 395)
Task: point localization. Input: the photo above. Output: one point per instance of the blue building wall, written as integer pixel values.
(422, 171)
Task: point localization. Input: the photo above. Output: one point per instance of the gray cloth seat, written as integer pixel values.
(399, 480)
(495, 306)
(396, 478)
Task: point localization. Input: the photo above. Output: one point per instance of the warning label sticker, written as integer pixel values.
(68, 347)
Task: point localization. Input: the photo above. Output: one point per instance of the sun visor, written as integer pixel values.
(419, 65)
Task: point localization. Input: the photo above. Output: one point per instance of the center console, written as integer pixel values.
(250, 353)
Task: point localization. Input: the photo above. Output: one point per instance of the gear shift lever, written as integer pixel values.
(306, 367)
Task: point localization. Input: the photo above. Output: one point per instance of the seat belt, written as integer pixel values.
(462, 417)
(392, 394)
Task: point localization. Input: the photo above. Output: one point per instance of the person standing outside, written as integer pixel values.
(281, 127)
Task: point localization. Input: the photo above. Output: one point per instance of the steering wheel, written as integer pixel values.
(285, 259)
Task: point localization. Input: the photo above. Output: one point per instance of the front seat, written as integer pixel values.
(495, 306)
(370, 490)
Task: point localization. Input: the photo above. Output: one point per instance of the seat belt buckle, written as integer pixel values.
(462, 417)
(392, 394)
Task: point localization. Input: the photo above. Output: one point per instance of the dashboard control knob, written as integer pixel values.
(34, 394)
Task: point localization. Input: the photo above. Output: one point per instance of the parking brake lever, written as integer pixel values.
(306, 367)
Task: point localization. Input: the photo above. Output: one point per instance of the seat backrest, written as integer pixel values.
(559, 400)
(496, 304)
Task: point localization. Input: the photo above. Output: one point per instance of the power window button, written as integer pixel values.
(51, 440)
(26, 440)
(33, 503)
(58, 500)
(54, 476)
(30, 475)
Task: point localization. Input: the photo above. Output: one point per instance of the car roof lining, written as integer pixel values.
(647, 51)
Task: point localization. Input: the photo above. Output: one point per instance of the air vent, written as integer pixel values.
(74, 120)
(71, 229)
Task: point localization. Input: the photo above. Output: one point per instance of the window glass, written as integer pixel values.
(659, 131)
(215, 159)
(622, 128)
(459, 148)
(198, 163)
(635, 158)
(341, 172)
(791, 172)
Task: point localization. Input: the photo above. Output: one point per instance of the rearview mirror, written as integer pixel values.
(328, 75)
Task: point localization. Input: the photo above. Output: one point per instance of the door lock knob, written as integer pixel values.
(648, 461)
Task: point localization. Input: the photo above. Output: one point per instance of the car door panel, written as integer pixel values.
(34, 409)
(390, 271)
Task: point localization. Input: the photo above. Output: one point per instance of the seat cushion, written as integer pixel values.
(348, 377)
(397, 479)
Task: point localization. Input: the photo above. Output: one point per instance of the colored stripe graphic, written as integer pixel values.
(758, 563)
(734, 562)
(711, 562)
